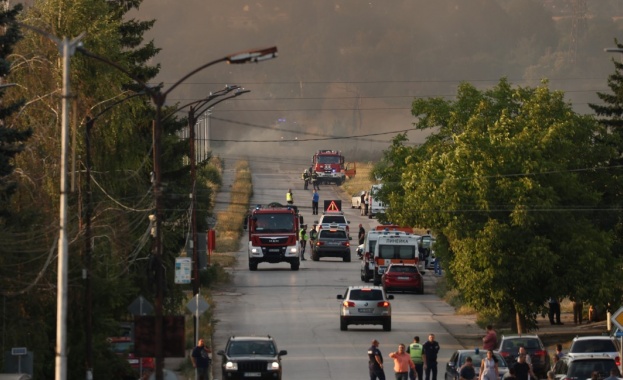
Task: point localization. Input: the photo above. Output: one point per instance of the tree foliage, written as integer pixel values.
(512, 181)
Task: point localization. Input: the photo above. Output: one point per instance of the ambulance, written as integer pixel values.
(368, 263)
(394, 247)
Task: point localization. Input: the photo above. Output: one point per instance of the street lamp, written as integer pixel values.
(615, 50)
(158, 97)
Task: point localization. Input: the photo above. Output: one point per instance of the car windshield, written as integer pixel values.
(402, 269)
(600, 345)
(512, 345)
(366, 294)
(328, 234)
(396, 251)
(583, 369)
(246, 348)
(328, 159)
(274, 223)
(333, 219)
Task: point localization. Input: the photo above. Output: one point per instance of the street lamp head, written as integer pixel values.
(256, 55)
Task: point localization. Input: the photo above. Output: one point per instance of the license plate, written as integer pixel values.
(333, 243)
(274, 250)
(133, 361)
(252, 374)
(403, 278)
(365, 310)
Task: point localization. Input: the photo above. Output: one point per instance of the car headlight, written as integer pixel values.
(293, 250)
(273, 366)
(255, 250)
(231, 366)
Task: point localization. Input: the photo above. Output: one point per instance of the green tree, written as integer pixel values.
(11, 139)
(508, 181)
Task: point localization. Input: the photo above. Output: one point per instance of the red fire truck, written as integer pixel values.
(273, 235)
(329, 165)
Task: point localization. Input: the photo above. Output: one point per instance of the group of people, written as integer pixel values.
(304, 237)
(315, 200)
(410, 363)
(308, 176)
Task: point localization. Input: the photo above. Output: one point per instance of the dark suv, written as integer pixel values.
(251, 357)
(331, 242)
(509, 349)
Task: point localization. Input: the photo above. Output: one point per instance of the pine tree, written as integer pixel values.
(11, 139)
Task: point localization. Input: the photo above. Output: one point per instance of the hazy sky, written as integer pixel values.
(353, 67)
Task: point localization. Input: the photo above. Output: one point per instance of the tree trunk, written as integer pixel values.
(519, 320)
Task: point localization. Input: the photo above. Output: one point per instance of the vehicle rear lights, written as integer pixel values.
(348, 304)
(383, 304)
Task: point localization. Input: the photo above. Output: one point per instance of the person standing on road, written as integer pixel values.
(490, 340)
(366, 203)
(415, 349)
(289, 197)
(578, 308)
(314, 181)
(200, 357)
(489, 367)
(362, 234)
(305, 177)
(467, 371)
(303, 240)
(375, 362)
(559, 352)
(362, 204)
(430, 350)
(315, 200)
(402, 363)
(559, 367)
(523, 369)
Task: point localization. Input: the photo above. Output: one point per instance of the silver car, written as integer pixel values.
(365, 305)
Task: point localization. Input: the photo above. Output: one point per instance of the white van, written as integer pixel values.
(368, 264)
(375, 205)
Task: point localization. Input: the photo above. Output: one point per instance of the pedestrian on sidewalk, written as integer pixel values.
(429, 356)
(402, 363)
(200, 357)
(489, 369)
(554, 311)
(375, 362)
(467, 371)
(416, 351)
(490, 340)
(578, 309)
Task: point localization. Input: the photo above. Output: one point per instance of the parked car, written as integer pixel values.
(365, 305)
(403, 277)
(331, 242)
(333, 218)
(582, 368)
(588, 346)
(458, 359)
(509, 349)
(124, 347)
(254, 357)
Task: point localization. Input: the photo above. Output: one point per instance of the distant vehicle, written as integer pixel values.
(365, 305)
(368, 264)
(426, 246)
(393, 248)
(509, 349)
(274, 235)
(582, 368)
(332, 242)
(404, 278)
(329, 165)
(124, 347)
(327, 219)
(588, 346)
(251, 357)
(458, 359)
(375, 205)
(355, 200)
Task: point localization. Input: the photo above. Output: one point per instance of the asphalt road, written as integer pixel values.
(299, 308)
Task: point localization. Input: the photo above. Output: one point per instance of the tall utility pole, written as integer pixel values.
(67, 49)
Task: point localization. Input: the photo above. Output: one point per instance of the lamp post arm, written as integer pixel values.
(206, 106)
(195, 71)
(201, 102)
(116, 103)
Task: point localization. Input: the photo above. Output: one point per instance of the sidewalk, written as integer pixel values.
(172, 365)
(464, 328)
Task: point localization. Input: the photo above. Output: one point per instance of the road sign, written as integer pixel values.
(19, 351)
(617, 318)
(197, 305)
(140, 306)
(183, 270)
